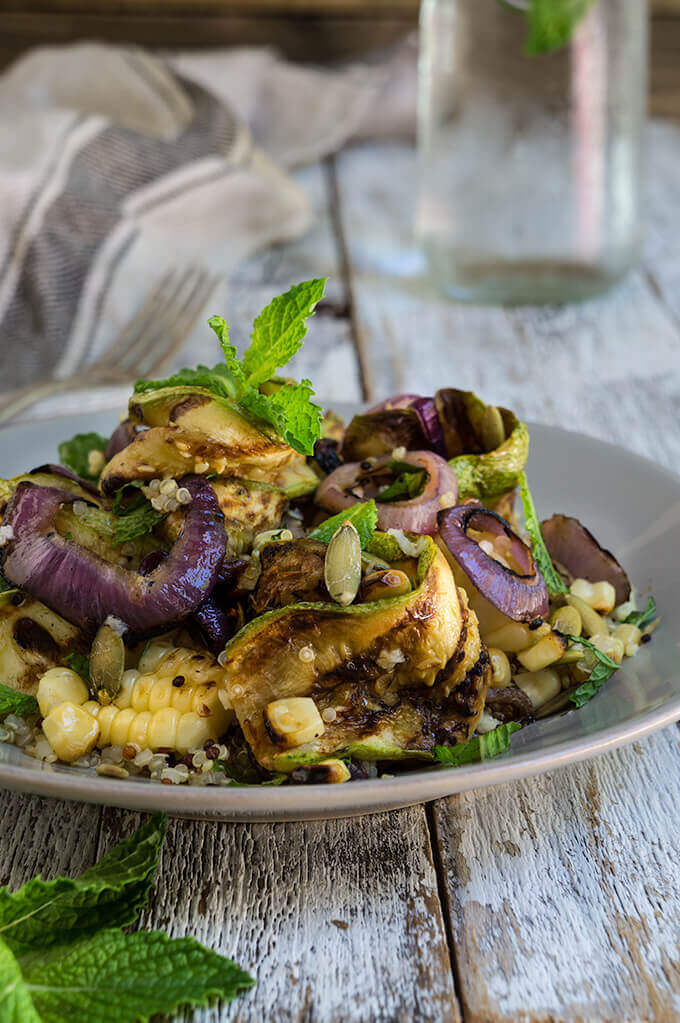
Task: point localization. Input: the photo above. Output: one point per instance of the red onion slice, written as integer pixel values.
(60, 470)
(123, 435)
(575, 547)
(427, 411)
(85, 589)
(418, 515)
(522, 596)
(397, 401)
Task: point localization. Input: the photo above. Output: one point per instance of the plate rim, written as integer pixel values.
(318, 801)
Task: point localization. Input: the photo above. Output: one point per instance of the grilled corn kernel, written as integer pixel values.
(600, 596)
(163, 727)
(609, 645)
(193, 732)
(545, 652)
(630, 636)
(138, 732)
(384, 584)
(70, 731)
(540, 686)
(567, 620)
(120, 726)
(294, 721)
(60, 685)
(124, 695)
(510, 638)
(105, 718)
(153, 654)
(500, 668)
(593, 624)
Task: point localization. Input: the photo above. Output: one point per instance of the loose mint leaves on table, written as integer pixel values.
(63, 955)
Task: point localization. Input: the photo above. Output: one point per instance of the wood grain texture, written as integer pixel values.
(564, 891)
(339, 921)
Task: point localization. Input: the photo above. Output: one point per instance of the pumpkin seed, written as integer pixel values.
(493, 431)
(107, 660)
(342, 566)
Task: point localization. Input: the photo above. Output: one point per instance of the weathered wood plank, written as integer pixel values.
(563, 891)
(339, 921)
(45, 836)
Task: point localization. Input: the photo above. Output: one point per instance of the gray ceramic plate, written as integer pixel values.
(629, 503)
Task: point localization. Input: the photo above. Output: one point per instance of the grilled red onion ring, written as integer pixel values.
(391, 424)
(574, 547)
(523, 595)
(60, 470)
(85, 589)
(418, 515)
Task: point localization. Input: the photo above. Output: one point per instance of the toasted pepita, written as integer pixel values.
(493, 430)
(107, 660)
(342, 565)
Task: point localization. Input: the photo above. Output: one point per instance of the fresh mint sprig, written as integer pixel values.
(278, 333)
(553, 579)
(480, 747)
(63, 954)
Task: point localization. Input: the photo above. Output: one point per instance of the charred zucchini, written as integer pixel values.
(32, 639)
(387, 679)
(192, 430)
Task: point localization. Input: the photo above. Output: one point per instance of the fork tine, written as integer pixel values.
(159, 320)
(113, 357)
(160, 352)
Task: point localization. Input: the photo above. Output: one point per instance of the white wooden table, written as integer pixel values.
(551, 899)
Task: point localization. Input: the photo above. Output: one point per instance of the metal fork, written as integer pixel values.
(143, 348)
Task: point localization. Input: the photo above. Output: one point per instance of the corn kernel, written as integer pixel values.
(60, 685)
(153, 655)
(70, 731)
(295, 720)
(120, 726)
(630, 636)
(545, 652)
(138, 731)
(609, 645)
(510, 638)
(567, 620)
(105, 718)
(600, 596)
(123, 698)
(163, 728)
(500, 668)
(593, 624)
(160, 694)
(540, 686)
(193, 732)
(139, 698)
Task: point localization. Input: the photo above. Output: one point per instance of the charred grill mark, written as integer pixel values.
(35, 639)
(186, 405)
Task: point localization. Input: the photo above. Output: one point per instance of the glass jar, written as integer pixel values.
(530, 163)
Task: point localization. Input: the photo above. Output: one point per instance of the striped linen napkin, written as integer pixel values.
(116, 164)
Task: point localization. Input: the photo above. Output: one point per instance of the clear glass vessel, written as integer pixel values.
(530, 165)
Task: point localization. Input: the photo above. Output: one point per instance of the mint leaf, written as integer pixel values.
(231, 362)
(603, 670)
(291, 412)
(75, 453)
(110, 894)
(133, 976)
(136, 522)
(552, 23)
(553, 579)
(15, 1001)
(80, 664)
(12, 702)
(407, 485)
(364, 518)
(218, 380)
(279, 330)
(642, 618)
(480, 747)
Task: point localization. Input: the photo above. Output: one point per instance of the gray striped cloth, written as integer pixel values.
(116, 164)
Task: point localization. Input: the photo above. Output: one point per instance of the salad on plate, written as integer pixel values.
(236, 587)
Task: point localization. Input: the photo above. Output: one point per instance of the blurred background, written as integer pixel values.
(196, 156)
